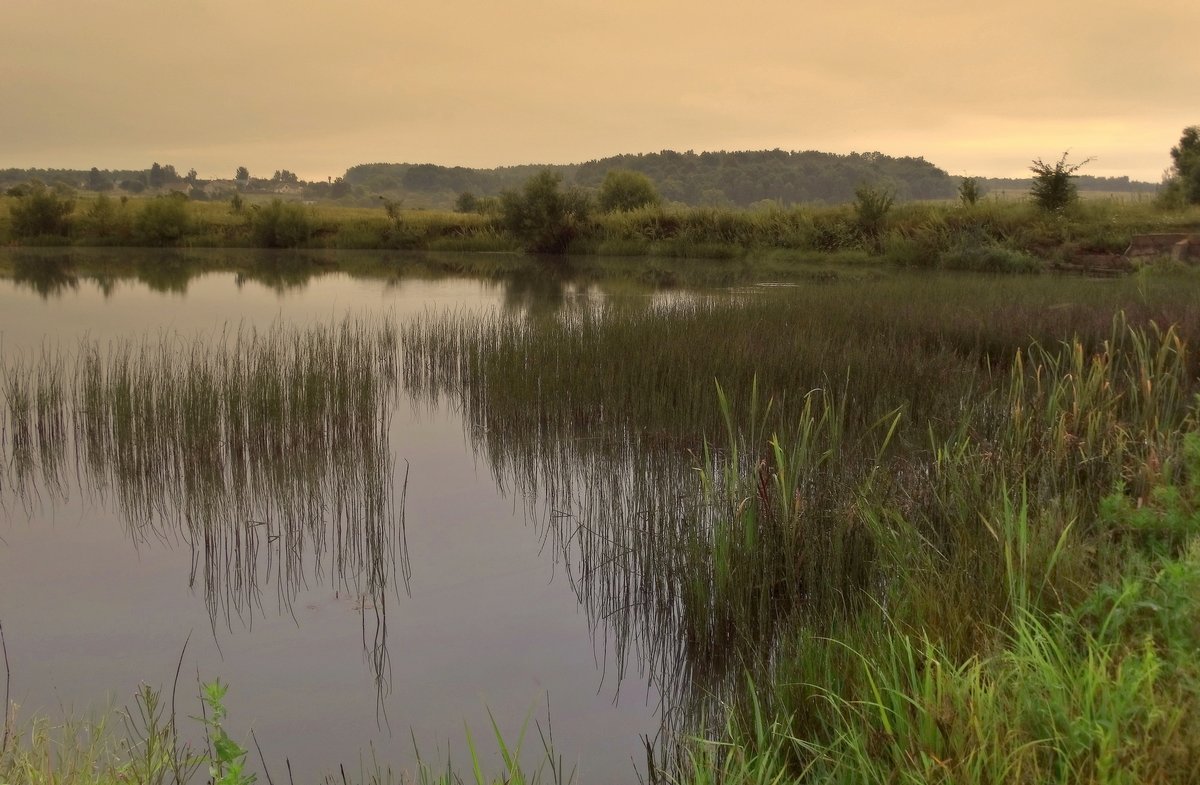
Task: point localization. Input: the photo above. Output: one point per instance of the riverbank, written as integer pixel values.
(997, 235)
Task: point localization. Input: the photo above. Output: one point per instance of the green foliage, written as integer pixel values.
(98, 181)
(1169, 518)
(280, 225)
(160, 175)
(106, 220)
(969, 191)
(871, 207)
(1185, 158)
(466, 202)
(988, 258)
(163, 220)
(242, 175)
(227, 758)
(625, 190)
(542, 217)
(40, 211)
(1052, 188)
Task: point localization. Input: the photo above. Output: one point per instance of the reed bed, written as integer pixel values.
(265, 450)
(899, 497)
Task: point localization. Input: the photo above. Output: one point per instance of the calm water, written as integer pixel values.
(322, 672)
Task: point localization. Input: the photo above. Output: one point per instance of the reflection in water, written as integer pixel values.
(618, 506)
(528, 284)
(48, 275)
(266, 452)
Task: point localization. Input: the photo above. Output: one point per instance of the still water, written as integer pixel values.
(479, 618)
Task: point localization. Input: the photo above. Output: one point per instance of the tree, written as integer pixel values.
(243, 175)
(284, 177)
(1185, 157)
(466, 202)
(162, 175)
(541, 216)
(1052, 188)
(623, 190)
(98, 181)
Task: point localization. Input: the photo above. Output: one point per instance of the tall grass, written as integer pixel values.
(896, 477)
(266, 451)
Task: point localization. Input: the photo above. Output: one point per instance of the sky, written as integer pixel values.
(317, 86)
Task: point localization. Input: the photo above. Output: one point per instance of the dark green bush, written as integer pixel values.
(543, 218)
(281, 225)
(41, 212)
(624, 190)
(163, 220)
(1052, 188)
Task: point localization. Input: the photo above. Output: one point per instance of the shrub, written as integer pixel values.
(871, 206)
(543, 218)
(163, 220)
(105, 219)
(624, 190)
(1052, 188)
(40, 211)
(281, 225)
(989, 259)
(969, 191)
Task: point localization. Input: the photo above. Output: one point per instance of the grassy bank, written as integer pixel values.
(993, 235)
(945, 534)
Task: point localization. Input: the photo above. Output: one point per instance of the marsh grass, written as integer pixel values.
(901, 495)
(265, 450)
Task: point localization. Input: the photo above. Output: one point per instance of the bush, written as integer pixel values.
(989, 259)
(871, 206)
(105, 220)
(624, 190)
(543, 218)
(969, 191)
(40, 212)
(163, 220)
(281, 225)
(1052, 188)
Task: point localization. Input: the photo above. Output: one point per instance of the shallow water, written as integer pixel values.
(324, 673)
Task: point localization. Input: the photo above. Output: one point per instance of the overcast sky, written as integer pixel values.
(315, 87)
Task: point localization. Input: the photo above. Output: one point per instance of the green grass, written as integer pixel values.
(917, 234)
(906, 497)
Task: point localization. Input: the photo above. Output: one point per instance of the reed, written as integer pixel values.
(897, 479)
(265, 450)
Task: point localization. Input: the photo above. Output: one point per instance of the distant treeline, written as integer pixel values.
(1084, 182)
(710, 179)
(713, 179)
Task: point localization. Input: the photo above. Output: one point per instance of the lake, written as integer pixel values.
(487, 622)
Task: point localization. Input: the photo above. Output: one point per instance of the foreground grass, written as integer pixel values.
(967, 554)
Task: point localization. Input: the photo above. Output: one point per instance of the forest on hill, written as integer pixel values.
(710, 178)
(713, 179)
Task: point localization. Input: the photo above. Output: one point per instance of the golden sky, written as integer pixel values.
(315, 87)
